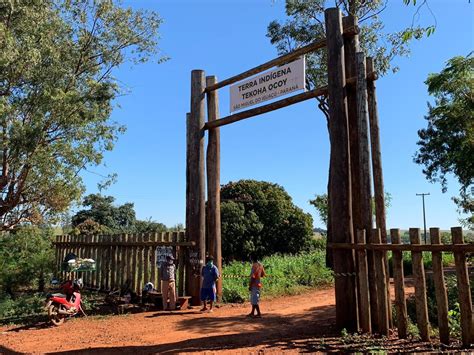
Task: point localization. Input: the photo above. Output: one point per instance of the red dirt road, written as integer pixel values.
(285, 319)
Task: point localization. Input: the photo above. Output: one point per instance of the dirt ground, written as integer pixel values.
(302, 323)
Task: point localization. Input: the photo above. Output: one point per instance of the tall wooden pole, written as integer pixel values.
(376, 152)
(361, 144)
(183, 257)
(351, 47)
(196, 197)
(340, 204)
(213, 165)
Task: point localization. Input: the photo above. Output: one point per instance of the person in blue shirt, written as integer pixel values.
(209, 274)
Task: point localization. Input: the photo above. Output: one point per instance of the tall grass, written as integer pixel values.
(286, 274)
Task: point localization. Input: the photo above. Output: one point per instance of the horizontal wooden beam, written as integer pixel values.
(126, 244)
(468, 248)
(279, 104)
(266, 108)
(286, 58)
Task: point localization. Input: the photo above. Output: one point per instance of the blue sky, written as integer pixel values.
(289, 146)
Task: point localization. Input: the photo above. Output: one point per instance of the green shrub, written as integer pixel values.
(26, 259)
(286, 274)
(453, 305)
(24, 305)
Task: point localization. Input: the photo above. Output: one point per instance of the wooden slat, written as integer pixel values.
(465, 298)
(120, 262)
(94, 256)
(114, 264)
(399, 281)
(420, 287)
(147, 260)
(140, 265)
(440, 288)
(153, 270)
(286, 58)
(467, 248)
(364, 302)
(381, 279)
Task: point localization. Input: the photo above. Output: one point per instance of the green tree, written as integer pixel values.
(56, 96)
(26, 258)
(305, 24)
(259, 217)
(446, 146)
(322, 205)
(102, 216)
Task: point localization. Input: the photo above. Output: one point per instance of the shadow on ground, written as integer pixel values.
(272, 331)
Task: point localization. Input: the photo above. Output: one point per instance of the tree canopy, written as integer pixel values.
(102, 216)
(260, 218)
(446, 146)
(305, 24)
(56, 96)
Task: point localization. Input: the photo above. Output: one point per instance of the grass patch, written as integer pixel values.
(286, 275)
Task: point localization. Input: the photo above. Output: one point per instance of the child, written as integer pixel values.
(255, 285)
(209, 274)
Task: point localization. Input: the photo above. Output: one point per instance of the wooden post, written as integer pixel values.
(213, 165)
(363, 170)
(196, 197)
(376, 153)
(381, 278)
(340, 204)
(420, 287)
(364, 301)
(399, 281)
(465, 298)
(440, 288)
(351, 47)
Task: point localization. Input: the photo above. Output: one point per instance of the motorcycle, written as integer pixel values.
(67, 304)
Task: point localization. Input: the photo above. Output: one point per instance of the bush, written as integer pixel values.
(26, 259)
(22, 306)
(448, 260)
(453, 305)
(286, 274)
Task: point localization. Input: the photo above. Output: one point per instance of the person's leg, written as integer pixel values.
(172, 293)
(203, 299)
(251, 314)
(257, 303)
(164, 294)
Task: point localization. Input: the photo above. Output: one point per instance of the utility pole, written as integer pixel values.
(424, 215)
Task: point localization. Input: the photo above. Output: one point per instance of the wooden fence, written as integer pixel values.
(375, 252)
(123, 257)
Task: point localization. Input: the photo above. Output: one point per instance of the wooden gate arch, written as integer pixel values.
(351, 95)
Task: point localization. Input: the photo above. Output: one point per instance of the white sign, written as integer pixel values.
(269, 85)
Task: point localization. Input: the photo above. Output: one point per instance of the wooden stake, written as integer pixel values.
(420, 287)
(399, 281)
(213, 165)
(196, 198)
(363, 170)
(376, 153)
(440, 288)
(364, 302)
(381, 279)
(340, 204)
(465, 298)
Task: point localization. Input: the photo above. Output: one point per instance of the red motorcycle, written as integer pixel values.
(67, 304)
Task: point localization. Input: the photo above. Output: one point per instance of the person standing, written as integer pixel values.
(255, 285)
(168, 284)
(209, 274)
